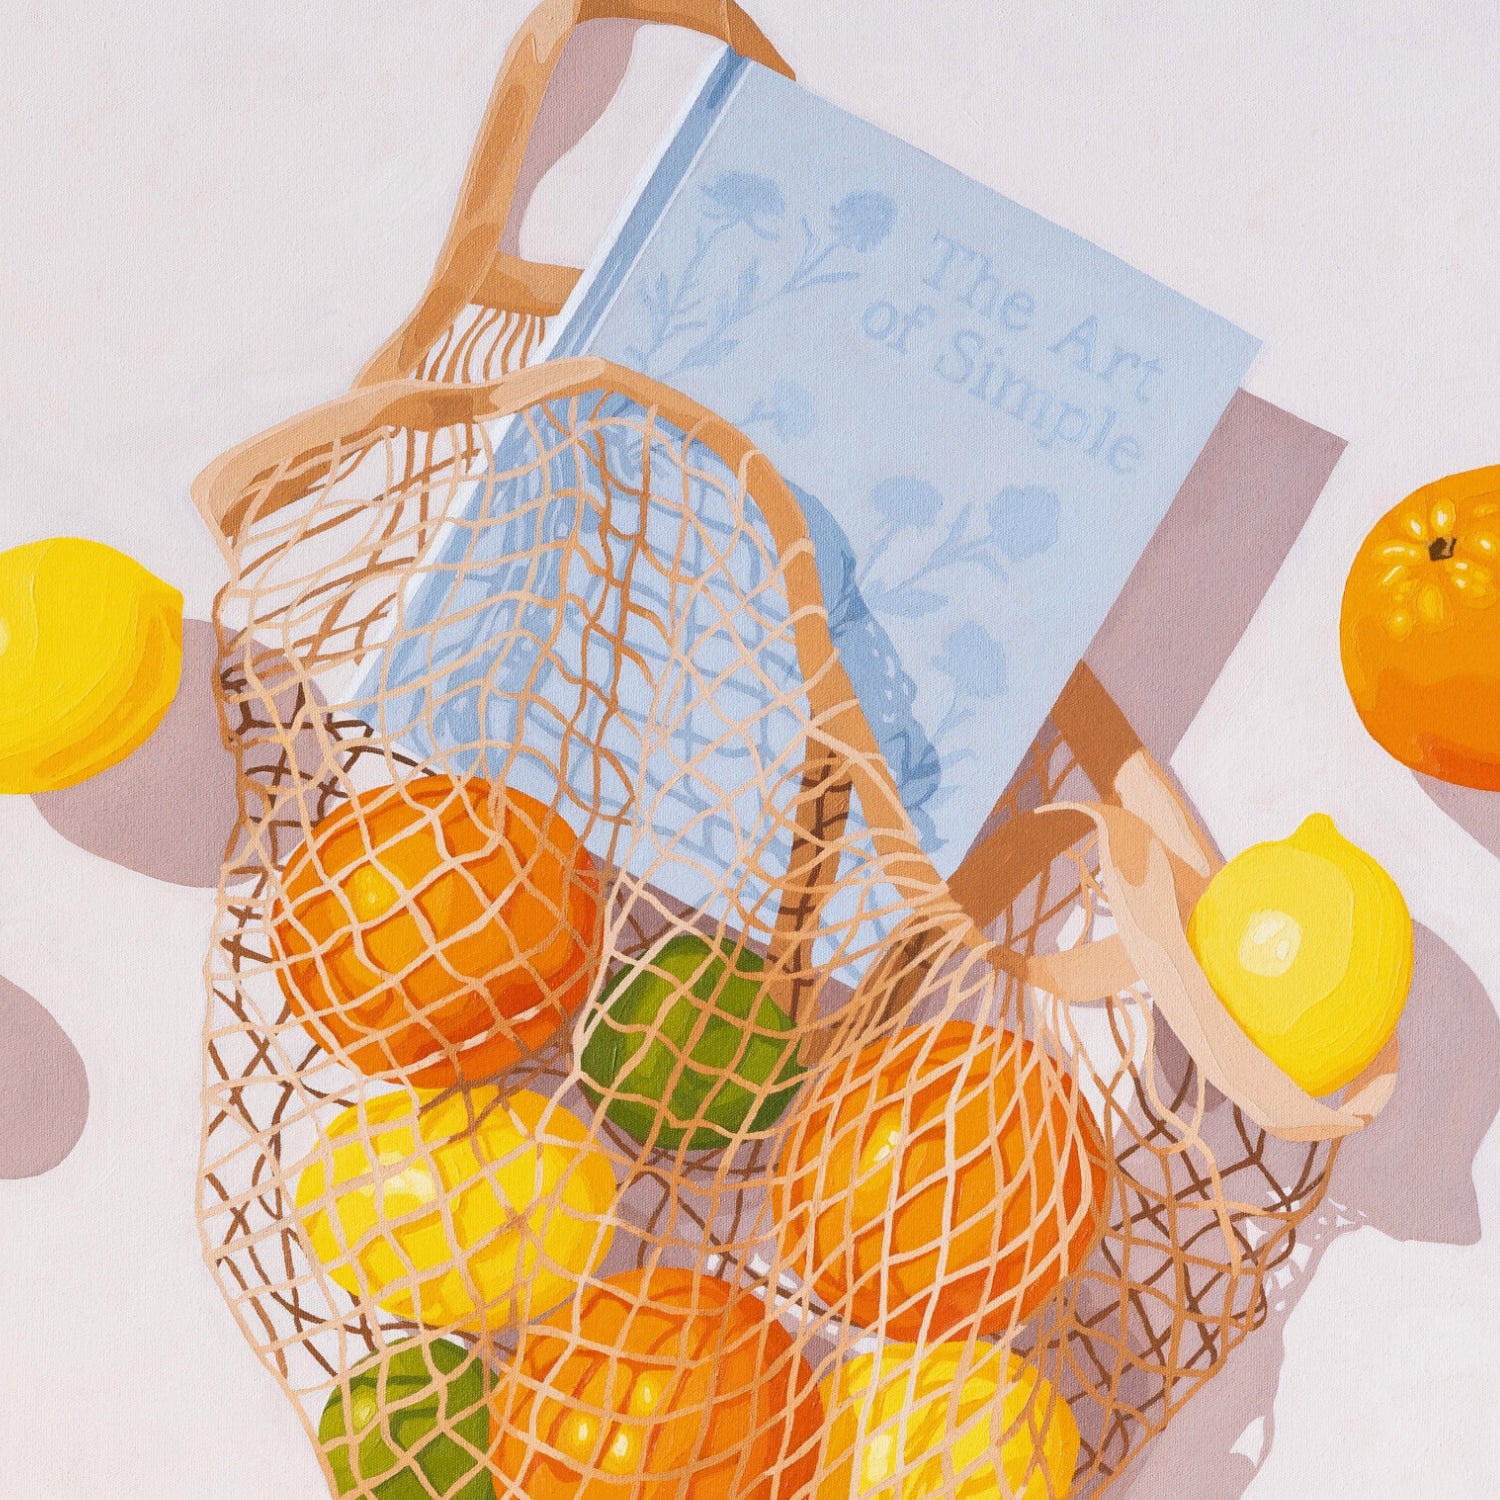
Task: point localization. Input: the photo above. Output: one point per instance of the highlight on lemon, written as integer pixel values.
(90, 659)
(1308, 943)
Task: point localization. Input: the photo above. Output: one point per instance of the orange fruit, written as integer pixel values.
(435, 930)
(1420, 630)
(657, 1385)
(948, 1175)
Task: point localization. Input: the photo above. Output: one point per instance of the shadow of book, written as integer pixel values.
(1476, 812)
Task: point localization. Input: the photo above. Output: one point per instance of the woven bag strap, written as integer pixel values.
(471, 267)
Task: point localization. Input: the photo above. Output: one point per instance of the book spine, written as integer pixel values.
(697, 127)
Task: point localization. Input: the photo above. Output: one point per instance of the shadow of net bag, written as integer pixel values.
(604, 1095)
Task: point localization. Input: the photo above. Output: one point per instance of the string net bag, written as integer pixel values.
(601, 1087)
(603, 1094)
(486, 311)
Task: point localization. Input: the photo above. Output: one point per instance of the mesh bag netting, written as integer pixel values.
(486, 311)
(604, 1095)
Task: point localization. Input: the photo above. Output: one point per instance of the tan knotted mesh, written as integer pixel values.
(482, 344)
(1207, 1203)
(537, 714)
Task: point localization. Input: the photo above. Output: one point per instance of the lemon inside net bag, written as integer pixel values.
(798, 1128)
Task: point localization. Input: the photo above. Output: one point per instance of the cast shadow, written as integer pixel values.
(169, 808)
(1476, 812)
(1409, 1175)
(44, 1087)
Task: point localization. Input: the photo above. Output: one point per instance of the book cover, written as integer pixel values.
(984, 415)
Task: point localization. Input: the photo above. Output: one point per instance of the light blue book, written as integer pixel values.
(984, 415)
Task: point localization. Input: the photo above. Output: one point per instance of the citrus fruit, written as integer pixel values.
(657, 1385)
(686, 1045)
(1419, 630)
(946, 1175)
(447, 1217)
(891, 1412)
(420, 1425)
(90, 656)
(1308, 943)
(438, 929)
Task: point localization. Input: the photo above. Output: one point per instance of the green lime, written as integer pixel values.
(720, 1043)
(407, 1383)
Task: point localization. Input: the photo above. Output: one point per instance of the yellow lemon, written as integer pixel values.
(474, 1215)
(1308, 943)
(90, 656)
(889, 1413)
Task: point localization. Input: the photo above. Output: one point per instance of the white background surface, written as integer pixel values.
(210, 214)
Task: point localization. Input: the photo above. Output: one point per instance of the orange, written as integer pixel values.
(1420, 630)
(945, 1178)
(657, 1385)
(435, 930)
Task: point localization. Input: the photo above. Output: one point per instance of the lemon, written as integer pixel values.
(475, 1213)
(885, 1443)
(416, 1424)
(90, 656)
(1308, 943)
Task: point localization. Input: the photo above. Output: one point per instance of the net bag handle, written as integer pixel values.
(471, 268)
(278, 468)
(1155, 861)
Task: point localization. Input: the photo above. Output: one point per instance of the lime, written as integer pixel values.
(407, 1384)
(704, 1065)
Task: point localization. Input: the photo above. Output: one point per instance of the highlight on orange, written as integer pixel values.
(661, 1384)
(436, 930)
(1419, 630)
(942, 1181)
